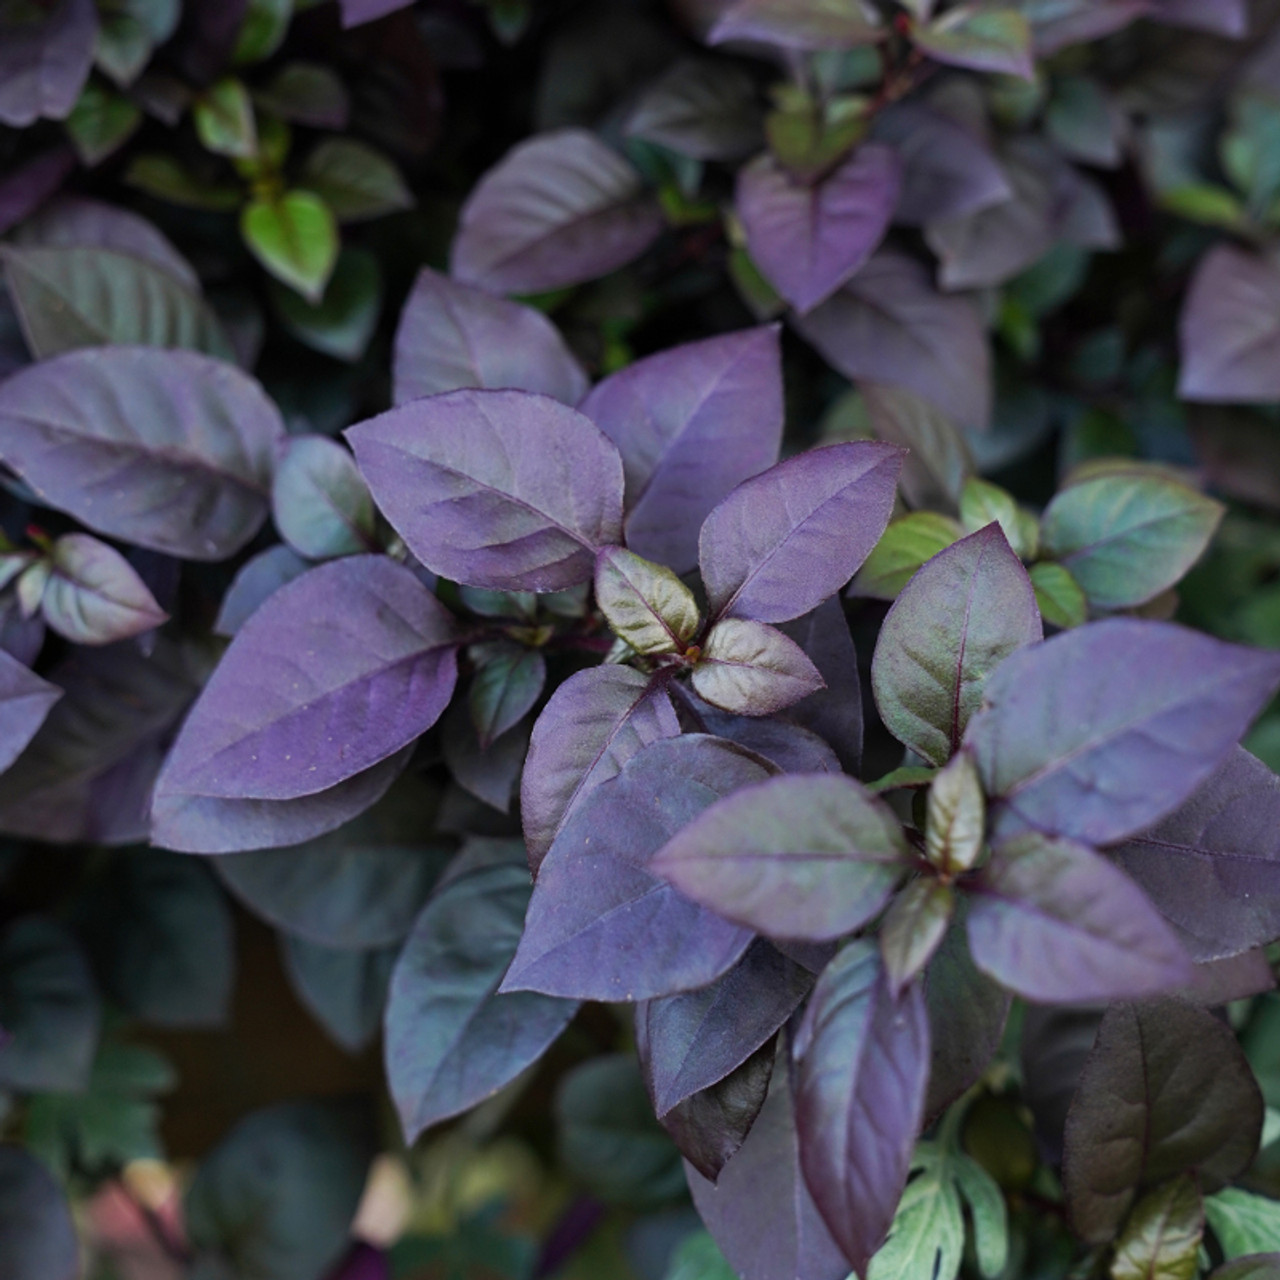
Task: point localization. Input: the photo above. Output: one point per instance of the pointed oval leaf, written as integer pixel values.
(1100, 731)
(1055, 922)
(645, 603)
(593, 724)
(451, 1039)
(753, 669)
(45, 57)
(890, 325)
(184, 443)
(342, 324)
(296, 238)
(223, 117)
(359, 887)
(953, 624)
(337, 671)
(1212, 866)
(927, 1236)
(808, 239)
(1165, 1090)
(601, 924)
(1230, 329)
(1125, 539)
(1059, 597)
(690, 1042)
(701, 109)
(759, 1209)
(452, 336)
(320, 501)
(1242, 1223)
(354, 181)
(345, 991)
(979, 38)
(501, 489)
(903, 547)
(798, 24)
(833, 713)
(691, 423)
(956, 830)
(1161, 1239)
(26, 700)
(94, 297)
(505, 689)
(94, 595)
(913, 929)
(794, 857)
(939, 463)
(558, 209)
(782, 543)
(989, 1213)
(259, 577)
(862, 1067)
(37, 1235)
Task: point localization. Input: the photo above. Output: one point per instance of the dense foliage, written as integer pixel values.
(691, 577)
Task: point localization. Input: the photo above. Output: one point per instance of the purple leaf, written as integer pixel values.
(337, 671)
(1230, 329)
(1250, 1266)
(913, 929)
(26, 188)
(760, 1211)
(45, 61)
(27, 700)
(452, 336)
(783, 542)
(833, 713)
(558, 209)
(967, 1015)
(601, 925)
(501, 489)
(799, 24)
(691, 423)
(182, 445)
(980, 39)
(752, 669)
(1101, 731)
(490, 773)
(862, 1070)
(710, 1126)
(1219, 982)
(954, 623)
(94, 595)
(86, 775)
(209, 824)
(808, 239)
(791, 748)
(38, 1238)
(364, 1262)
(1166, 1089)
(1055, 24)
(74, 222)
(890, 325)
(593, 724)
(257, 579)
(355, 12)
(701, 109)
(946, 171)
(1219, 17)
(1213, 865)
(506, 686)
(810, 857)
(645, 603)
(451, 1040)
(319, 500)
(690, 1042)
(1056, 923)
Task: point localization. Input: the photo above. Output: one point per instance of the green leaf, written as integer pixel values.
(988, 1211)
(354, 180)
(1250, 150)
(505, 689)
(295, 238)
(306, 93)
(1161, 1239)
(224, 120)
(101, 122)
(646, 604)
(927, 1237)
(80, 297)
(1243, 1222)
(699, 1258)
(262, 31)
(165, 178)
(1203, 202)
(1127, 538)
(320, 502)
(982, 39)
(904, 546)
(982, 502)
(913, 928)
(1060, 597)
(608, 1138)
(1082, 122)
(342, 323)
(128, 31)
(957, 816)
